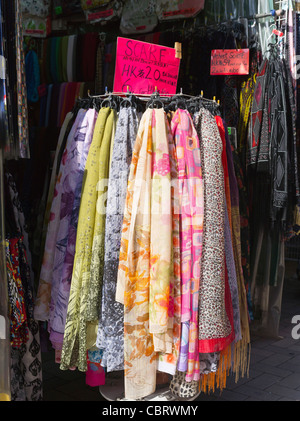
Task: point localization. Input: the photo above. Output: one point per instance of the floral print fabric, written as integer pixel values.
(191, 219)
(110, 335)
(140, 258)
(43, 299)
(79, 335)
(68, 218)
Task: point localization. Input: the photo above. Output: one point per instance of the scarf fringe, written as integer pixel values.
(234, 359)
(209, 382)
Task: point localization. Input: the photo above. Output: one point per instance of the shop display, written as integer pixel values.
(145, 227)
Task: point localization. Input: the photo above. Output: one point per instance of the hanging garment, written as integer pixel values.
(230, 265)
(136, 265)
(293, 172)
(241, 349)
(191, 221)
(258, 139)
(17, 213)
(26, 380)
(110, 336)
(167, 362)
(279, 141)
(215, 326)
(26, 360)
(42, 302)
(94, 286)
(66, 235)
(244, 220)
(65, 130)
(134, 270)
(23, 149)
(245, 101)
(19, 332)
(76, 337)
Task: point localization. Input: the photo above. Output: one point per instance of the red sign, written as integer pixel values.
(230, 62)
(142, 68)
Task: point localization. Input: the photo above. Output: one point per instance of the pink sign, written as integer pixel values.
(230, 62)
(142, 68)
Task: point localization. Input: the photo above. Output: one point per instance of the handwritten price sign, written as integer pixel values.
(141, 67)
(230, 62)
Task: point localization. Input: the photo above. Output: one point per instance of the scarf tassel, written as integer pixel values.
(236, 360)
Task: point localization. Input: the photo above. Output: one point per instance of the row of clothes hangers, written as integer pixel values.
(141, 102)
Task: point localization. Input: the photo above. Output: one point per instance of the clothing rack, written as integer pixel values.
(155, 100)
(146, 97)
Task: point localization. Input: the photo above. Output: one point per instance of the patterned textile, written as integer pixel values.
(30, 361)
(268, 134)
(215, 326)
(230, 102)
(134, 270)
(23, 151)
(241, 349)
(68, 218)
(17, 213)
(19, 332)
(279, 140)
(245, 100)
(258, 142)
(79, 335)
(110, 336)
(136, 259)
(167, 362)
(39, 8)
(26, 370)
(64, 132)
(191, 231)
(291, 116)
(230, 266)
(43, 299)
(26, 366)
(94, 289)
(236, 172)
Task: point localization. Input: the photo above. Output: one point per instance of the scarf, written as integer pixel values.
(142, 258)
(110, 335)
(77, 337)
(279, 139)
(258, 139)
(241, 348)
(228, 230)
(215, 327)
(191, 230)
(42, 303)
(246, 99)
(97, 257)
(66, 235)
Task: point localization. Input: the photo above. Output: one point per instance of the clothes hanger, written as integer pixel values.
(112, 102)
(155, 101)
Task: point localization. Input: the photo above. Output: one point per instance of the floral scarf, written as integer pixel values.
(191, 228)
(42, 302)
(77, 338)
(145, 297)
(110, 336)
(66, 236)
